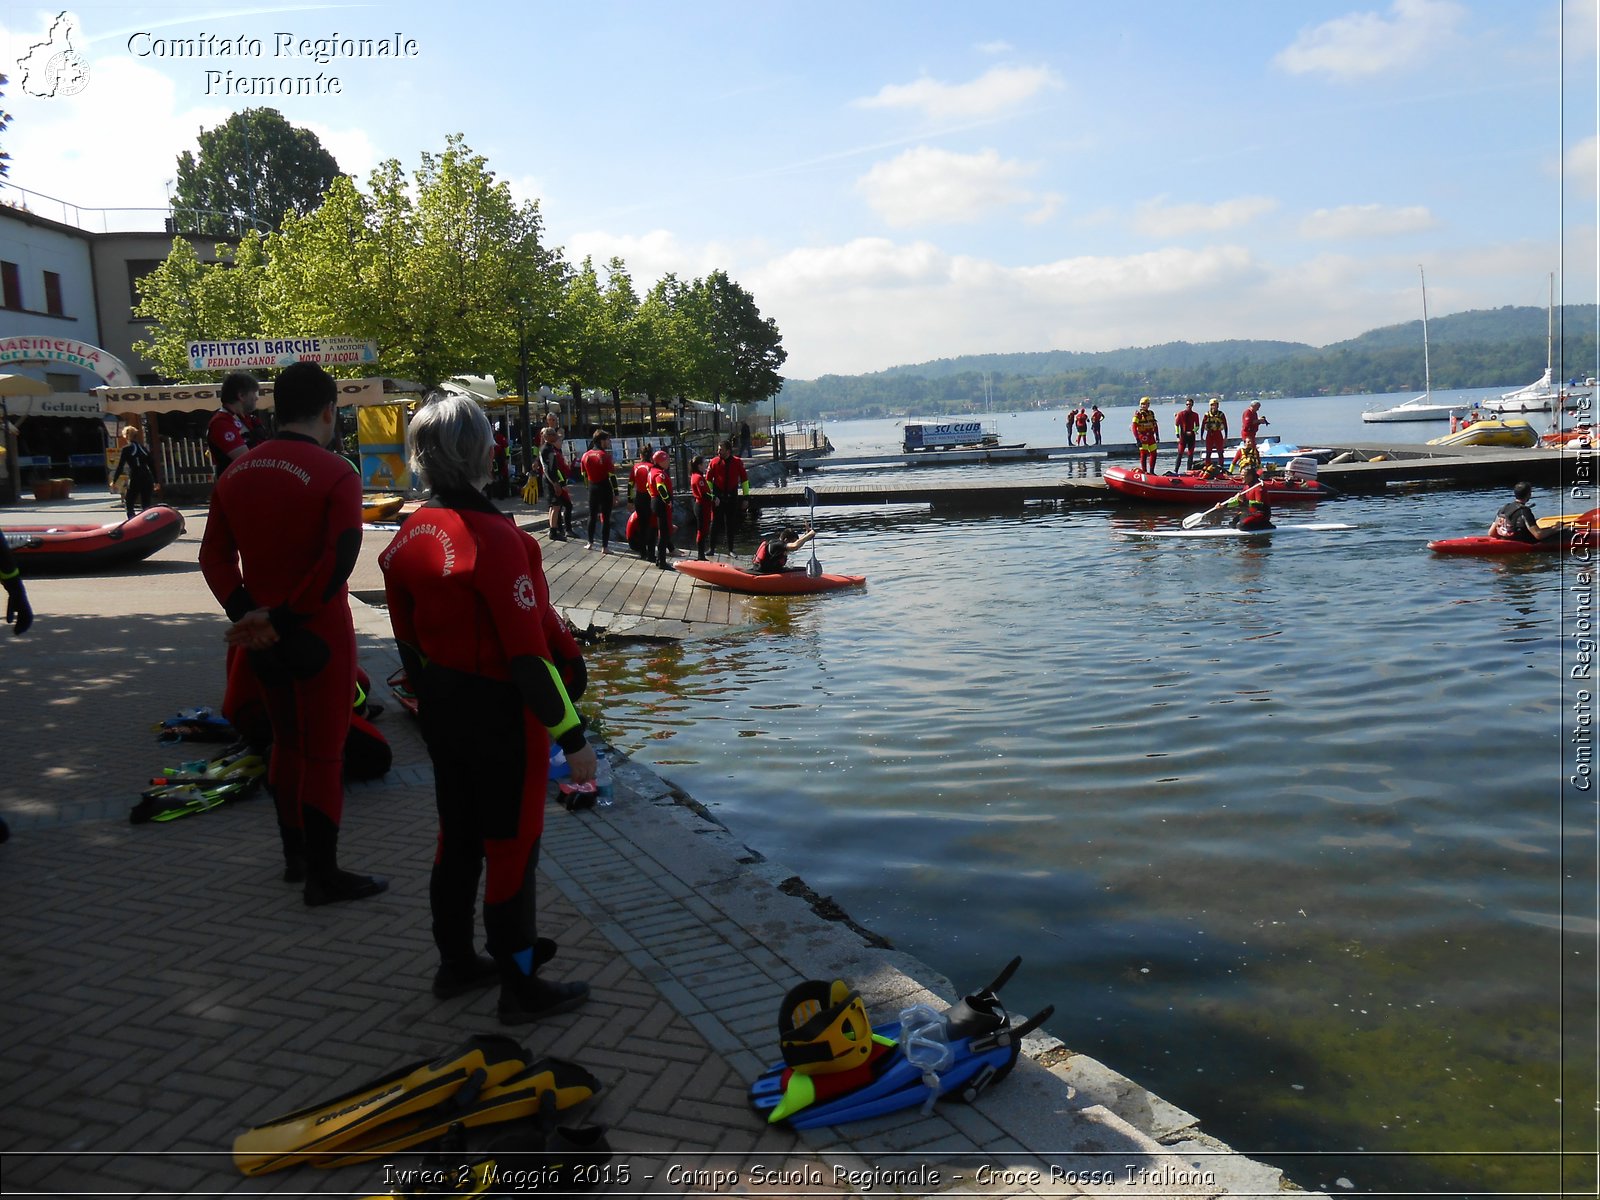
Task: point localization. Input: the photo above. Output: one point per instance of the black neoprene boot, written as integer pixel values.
(325, 882)
(294, 853)
(524, 997)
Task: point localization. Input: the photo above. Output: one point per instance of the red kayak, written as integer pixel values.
(1494, 545)
(1195, 487)
(792, 581)
(62, 549)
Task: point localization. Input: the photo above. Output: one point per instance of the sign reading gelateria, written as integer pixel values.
(102, 363)
(246, 354)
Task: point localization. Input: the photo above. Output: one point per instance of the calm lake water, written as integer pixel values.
(1280, 829)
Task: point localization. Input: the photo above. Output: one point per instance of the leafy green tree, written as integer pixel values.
(738, 351)
(194, 301)
(439, 269)
(251, 171)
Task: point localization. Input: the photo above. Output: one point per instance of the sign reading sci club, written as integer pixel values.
(246, 354)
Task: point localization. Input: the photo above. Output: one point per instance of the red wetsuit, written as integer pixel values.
(1147, 433)
(283, 534)
(597, 465)
(1250, 424)
(705, 507)
(1185, 425)
(1257, 512)
(726, 476)
(470, 609)
(660, 489)
(228, 432)
(639, 536)
(1215, 425)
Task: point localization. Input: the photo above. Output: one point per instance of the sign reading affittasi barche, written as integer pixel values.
(244, 354)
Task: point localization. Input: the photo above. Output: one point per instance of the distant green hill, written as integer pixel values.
(1482, 348)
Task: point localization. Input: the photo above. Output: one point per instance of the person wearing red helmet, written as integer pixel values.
(639, 536)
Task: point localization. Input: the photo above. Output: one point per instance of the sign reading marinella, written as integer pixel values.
(244, 354)
(82, 355)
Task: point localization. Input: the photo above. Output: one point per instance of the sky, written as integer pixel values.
(898, 182)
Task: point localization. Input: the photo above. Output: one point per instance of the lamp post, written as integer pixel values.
(525, 437)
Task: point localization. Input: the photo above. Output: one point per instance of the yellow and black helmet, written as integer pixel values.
(823, 1028)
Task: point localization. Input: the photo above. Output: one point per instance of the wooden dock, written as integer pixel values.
(623, 596)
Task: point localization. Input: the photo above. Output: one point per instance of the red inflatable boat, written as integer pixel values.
(63, 549)
(790, 582)
(1195, 488)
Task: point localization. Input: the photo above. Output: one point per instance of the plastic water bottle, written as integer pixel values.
(602, 778)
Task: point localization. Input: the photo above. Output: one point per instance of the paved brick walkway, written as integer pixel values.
(163, 988)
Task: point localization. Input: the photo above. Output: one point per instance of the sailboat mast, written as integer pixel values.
(1427, 367)
(1550, 330)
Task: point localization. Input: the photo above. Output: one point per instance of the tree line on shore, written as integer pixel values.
(1488, 348)
(443, 268)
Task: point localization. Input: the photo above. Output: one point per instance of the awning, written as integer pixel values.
(22, 385)
(53, 404)
(202, 397)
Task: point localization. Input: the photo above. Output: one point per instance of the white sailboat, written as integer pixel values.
(1423, 407)
(1543, 394)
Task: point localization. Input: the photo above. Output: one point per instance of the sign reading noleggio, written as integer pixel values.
(245, 354)
(296, 58)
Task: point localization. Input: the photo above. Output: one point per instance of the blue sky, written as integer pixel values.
(898, 182)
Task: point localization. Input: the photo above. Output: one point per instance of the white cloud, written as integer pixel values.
(1583, 166)
(1367, 220)
(1369, 43)
(927, 186)
(1155, 218)
(997, 90)
(996, 47)
(115, 144)
(652, 255)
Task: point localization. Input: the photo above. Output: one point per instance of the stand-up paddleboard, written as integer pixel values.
(792, 581)
(1228, 531)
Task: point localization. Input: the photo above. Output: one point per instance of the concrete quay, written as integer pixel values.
(164, 989)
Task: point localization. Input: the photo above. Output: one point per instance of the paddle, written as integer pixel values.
(1193, 520)
(813, 568)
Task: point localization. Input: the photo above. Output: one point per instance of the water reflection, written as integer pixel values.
(1258, 816)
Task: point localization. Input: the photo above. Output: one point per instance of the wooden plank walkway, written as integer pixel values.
(624, 596)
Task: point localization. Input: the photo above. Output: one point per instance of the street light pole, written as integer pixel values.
(525, 438)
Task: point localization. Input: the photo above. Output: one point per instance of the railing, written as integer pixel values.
(186, 462)
(116, 220)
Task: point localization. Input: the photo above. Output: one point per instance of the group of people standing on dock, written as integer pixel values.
(1188, 426)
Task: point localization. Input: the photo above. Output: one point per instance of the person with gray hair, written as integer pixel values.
(469, 604)
(451, 444)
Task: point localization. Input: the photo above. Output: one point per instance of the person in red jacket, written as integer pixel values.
(281, 539)
(597, 465)
(1250, 424)
(235, 428)
(640, 537)
(705, 505)
(469, 605)
(660, 486)
(1185, 425)
(727, 477)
